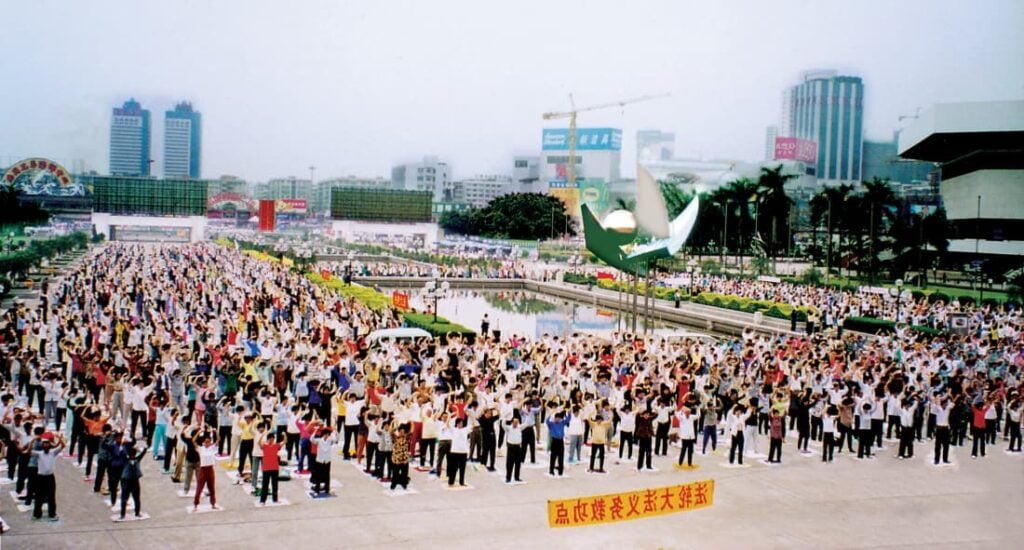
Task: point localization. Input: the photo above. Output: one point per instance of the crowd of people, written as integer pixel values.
(193, 353)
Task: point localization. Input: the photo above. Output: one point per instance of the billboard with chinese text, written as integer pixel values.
(587, 139)
(791, 148)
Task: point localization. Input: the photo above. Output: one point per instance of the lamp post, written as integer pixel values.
(10, 242)
(899, 295)
(436, 291)
(348, 270)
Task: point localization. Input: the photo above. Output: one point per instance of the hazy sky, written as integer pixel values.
(353, 87)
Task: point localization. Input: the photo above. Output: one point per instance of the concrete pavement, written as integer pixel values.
(802, 503)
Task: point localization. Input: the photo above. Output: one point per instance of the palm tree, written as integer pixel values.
(737, 196)
(775, 205)
(623, 204)
(881, 204)
(829, 206)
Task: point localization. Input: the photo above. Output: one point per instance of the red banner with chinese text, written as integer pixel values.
(575, 512)
(400, 300)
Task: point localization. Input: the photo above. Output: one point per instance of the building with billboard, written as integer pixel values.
(598, 159)
(979, 148)
(183, 134)
(384, 216)
(149, 209)
(130, 136)
(828, 109)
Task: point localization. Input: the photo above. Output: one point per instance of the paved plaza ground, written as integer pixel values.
(802, 503)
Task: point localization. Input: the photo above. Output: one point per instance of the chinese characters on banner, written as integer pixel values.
(574, 512)
(400, 300)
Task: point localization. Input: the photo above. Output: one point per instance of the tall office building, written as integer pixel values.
(828, 109)
(770, 133)
(182, 142)
(129, 140)
(431, 174)
(655, 145)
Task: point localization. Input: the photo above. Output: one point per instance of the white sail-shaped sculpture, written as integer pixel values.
(651, 212)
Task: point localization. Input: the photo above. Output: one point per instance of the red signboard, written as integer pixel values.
(400, 300)
(266, 215)
(791, 148)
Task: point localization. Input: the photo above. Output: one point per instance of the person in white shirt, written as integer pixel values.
(687, 434)
(575, 432)
(206, 477)
(627, 423)
(734, 426)
(906, 431)
(940, 409)
(828, 429)
(459, 453)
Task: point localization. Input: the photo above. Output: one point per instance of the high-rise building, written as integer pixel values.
(129, 140)
(430, 174)
(655, 145)
(770, 133)
(182, 142)
(882, 161)
(480, 190)
(828, 109)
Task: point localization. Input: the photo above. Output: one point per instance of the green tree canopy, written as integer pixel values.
(529, 216)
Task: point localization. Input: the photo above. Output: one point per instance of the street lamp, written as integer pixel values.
(10, 242)
(436, 291)
(981, 297)
(348, 269)
(898, 295)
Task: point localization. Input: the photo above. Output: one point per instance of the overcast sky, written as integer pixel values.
(353, 87)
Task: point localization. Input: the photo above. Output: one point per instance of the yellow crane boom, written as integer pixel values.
(571, 115)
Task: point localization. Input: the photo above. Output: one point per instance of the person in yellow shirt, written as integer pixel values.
(248, 424)
(599, 428)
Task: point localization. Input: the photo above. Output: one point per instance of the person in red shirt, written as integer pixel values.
(978, 411)
(271, 465)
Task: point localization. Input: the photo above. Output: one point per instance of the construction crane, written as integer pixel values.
(571, 115)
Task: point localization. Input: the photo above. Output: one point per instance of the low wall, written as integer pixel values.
(695, 316)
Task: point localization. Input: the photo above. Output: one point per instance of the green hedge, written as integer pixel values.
(23, 260)
(874, 325)
(579, 279)
(660, 292)
(364, 295)
(378, 301)
(749, 305)
(440, 329)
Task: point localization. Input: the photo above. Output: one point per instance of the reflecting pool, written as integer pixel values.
(530, 314)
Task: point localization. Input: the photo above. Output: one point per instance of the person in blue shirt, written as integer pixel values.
(527, 421)
(556, 428)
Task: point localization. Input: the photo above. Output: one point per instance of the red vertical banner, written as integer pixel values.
(266, 215)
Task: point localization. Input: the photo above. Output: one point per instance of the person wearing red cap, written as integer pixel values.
(46, 484)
